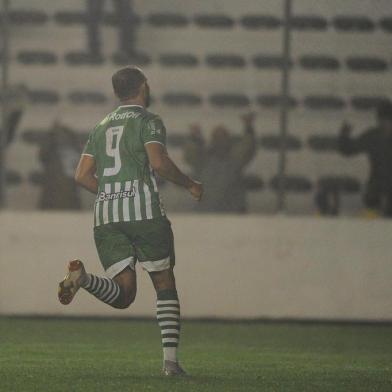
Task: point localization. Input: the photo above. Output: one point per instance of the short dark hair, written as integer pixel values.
(384, 109)
(127, 82)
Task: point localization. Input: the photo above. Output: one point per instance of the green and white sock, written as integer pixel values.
(168, 316)
(104, 289)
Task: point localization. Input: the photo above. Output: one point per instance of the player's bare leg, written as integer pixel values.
(118, 292)
(168, 315)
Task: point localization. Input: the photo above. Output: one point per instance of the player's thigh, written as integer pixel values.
(115, 249)
(154, 245)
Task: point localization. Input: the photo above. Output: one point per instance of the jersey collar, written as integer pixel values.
(129, 106)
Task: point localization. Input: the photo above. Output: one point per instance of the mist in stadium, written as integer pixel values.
(196, 195)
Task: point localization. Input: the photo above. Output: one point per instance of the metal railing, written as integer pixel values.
(4, 89)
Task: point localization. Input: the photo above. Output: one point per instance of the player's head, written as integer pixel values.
(220, 141)
(130, 83)
(384, 116)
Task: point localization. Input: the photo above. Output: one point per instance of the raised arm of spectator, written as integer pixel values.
(347, 145)
(16, 105)
(244, 150)
(194, 149)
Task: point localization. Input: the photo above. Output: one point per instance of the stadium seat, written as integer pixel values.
(30, 17)
(252, 182)
(260, 22)
(386, 24)
(178, 60)
(322, 143)
(181, 99)
(141, 59)
(225, 61)
(269, 61)
(355, 24)
(367, 64)
(295, 184)
(214, 21)
(47, 97)
(344, 184)
(232, 100)
(70, 18)
(366, 102)
(87, 97)
(111, 19)
(321, 102)
(275, 101)
(167, 20)
(82, 58)
(274, 142)
(30, 57)
(322, 63)
(308, 22)
(12, 177)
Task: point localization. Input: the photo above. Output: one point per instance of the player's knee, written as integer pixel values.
(129, 299)
(125, 300)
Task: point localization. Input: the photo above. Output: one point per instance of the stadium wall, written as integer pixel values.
(227, 267)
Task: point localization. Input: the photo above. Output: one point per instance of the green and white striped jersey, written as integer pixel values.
(127, 189)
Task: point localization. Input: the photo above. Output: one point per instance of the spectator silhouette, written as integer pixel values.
(125, 22)
(376, 142)
(16, 98)
(220, 166)
(59, 155)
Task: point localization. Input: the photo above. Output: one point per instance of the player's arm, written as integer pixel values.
(245, 149)
(349, 145)
(85, 173)
(166, 168)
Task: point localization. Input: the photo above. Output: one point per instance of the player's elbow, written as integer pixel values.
(80, 178)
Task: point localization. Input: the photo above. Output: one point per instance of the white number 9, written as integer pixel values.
(113, 137)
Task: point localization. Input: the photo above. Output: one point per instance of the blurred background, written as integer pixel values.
(281, 107)
(209, 64)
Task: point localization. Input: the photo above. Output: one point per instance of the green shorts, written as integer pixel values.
(121, 244)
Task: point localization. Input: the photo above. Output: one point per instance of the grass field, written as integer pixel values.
(125, 355)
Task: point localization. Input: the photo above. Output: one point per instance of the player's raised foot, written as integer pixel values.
(171, 368)
(69, 286)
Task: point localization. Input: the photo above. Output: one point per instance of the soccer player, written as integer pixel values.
(118, 164)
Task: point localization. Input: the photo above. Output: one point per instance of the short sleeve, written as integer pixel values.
(89, 148)
(154, 131)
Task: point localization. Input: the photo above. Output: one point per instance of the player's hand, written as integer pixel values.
(196, 190)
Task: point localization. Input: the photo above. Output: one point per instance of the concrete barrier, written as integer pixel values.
(227, 266)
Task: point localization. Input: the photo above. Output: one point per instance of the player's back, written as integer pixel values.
(127, 190)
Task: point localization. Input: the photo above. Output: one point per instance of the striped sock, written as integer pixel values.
(168, 315)
(105, 289)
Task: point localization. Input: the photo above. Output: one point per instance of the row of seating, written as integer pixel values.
(235, 61)
(190, 99)
(341, 23)
(273, 142)
(293, 184)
